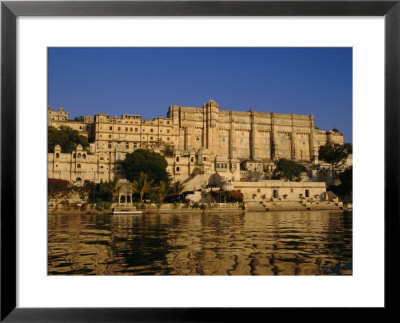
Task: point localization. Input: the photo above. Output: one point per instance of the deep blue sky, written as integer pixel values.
(146, 81)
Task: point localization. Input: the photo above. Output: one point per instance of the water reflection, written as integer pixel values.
(281, 243)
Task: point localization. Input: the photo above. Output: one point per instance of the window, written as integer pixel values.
(151, 130)
(131, 129)
(205, 158)
(307, 193)
(78, 179)
(192, 159)
(110, 128)
(119, 128)
(167, 138)
(57, 155)
(177, 158)
(167, 122)
(109, 145)
(151, 138)
(78, 166)
(56, 165)
(136, 129)
(258, 190)
(101, 158)
(74, 155)
(275, 193)
(101, 167)
(100, 136)
(101, 126)
(197, 138)
(144, 129)
(127, 146)
(126, 128)
(178, 169)
(79, 155)
(109, 136)
(80, 127)
(84, 156)
(167, 130)
(291, 190)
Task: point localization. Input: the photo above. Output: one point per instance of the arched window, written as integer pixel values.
(57, 155)
(84, 156)
(177, 158)
(74, 155)
(79, 155)
(78, 179)
(205, 158)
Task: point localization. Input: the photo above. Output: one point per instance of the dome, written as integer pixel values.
(203, 151)
(227, 186)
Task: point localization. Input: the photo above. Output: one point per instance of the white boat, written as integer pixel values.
(128, 212)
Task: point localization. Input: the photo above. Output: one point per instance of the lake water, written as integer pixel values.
(274, 243)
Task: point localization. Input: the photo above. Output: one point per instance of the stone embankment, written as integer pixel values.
(250, 205)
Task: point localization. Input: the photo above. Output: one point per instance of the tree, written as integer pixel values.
(78, 119)
(162, 191)
(148, 162)
(177, 188)
(345, 189)
(66, 137)
(348, 148)
(332, 153)
(142, 185)
(58, 188)
(168, 150)
(115, 187)
(288, 169)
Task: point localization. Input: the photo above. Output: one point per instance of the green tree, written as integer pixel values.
(115, 186)
(58, 188)
(66, 137)
(78, 119)
(142, 185)
(148, 162)
(332, 153)
(345, 189)
(348, 148)
(288, 169)
(162, 191)
(177, 188)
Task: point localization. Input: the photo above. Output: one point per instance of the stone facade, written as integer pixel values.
(206, 140)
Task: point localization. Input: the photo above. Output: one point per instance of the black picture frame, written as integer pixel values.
(10, 10)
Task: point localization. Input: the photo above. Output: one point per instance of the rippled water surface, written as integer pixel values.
(281, 243)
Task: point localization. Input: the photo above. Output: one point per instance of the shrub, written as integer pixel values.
(84, 207)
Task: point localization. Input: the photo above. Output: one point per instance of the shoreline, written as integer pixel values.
(197, 210)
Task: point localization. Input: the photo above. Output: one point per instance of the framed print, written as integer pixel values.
(281, 78)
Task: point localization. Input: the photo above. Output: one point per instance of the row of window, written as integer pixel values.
(79, 155)
(144, 138)
(127, 117)
(101, 166)
(136, 129)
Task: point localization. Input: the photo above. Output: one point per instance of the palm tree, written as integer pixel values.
(177, 188)
(142, 185)
(115, 187)
(162, 191)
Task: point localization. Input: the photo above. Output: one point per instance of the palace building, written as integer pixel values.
(204, 141)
